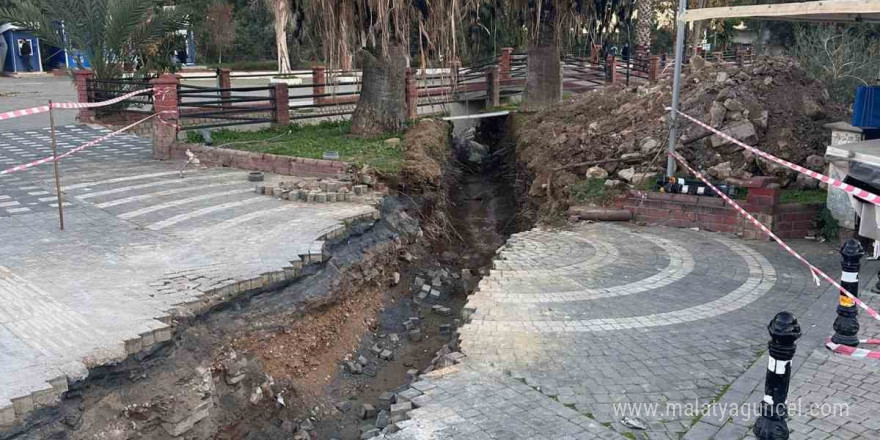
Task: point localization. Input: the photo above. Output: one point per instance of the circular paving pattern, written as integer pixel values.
(756, 278)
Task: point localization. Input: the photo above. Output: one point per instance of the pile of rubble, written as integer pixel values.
(621, 134)
(392, 407)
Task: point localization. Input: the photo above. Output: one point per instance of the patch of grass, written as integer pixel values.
(592, 191)
(311, 141)
(828, 226)
(810, 196)
(629, 434)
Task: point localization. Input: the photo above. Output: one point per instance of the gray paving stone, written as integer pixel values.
(139, 243)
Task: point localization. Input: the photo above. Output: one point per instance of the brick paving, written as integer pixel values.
(581, 325)
(140, 245)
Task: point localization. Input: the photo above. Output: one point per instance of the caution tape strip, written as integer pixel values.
(24, 112)
(75, 150)
(853, 351)
(872, 198)
(813, 269)
(69, 105)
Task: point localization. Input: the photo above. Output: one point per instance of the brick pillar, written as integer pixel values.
(493, 87)
(83, 94)
(654, 68)
(506, 56)
(224, 81)
(611, 63)
(165, 103)
(281, 99)
(319, 76)
(412, 95)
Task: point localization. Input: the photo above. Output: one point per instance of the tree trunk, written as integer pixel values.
(697, 36)
(281, 11)
(643, 31)
(543, 70)
(382, 104)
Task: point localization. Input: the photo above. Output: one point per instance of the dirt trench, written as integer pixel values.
(300, 362)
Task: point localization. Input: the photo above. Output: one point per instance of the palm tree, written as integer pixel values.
(643, 30)
(115, 35)
(378, 33)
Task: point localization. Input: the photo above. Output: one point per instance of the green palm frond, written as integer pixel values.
(111, 33)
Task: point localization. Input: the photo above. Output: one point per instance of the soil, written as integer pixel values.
(273, 365)
(618, 128)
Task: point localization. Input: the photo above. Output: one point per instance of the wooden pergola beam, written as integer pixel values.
(833, 11)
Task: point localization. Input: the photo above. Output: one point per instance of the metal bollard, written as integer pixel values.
(846, 326)
(784, 331)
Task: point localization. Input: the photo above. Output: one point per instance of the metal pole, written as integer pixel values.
(676, 85)
(55, 165)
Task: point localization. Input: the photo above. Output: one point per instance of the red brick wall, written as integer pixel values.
(790, 220)
(269, 163)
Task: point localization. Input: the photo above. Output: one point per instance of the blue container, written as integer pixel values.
(866, 108)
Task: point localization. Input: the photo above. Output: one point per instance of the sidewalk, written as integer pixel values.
(140, 246)
(603, 318)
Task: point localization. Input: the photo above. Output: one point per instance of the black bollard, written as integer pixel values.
(846, 326)
(784, 331)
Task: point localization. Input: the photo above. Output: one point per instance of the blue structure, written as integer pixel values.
(22, 50)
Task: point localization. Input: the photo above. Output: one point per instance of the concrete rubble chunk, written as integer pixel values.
(716, 114)
(412, 374)
(386, 355)
(742, 131)
(626, 174)
(386, 399)
(734, 105)
(648, 145)
(382, 419)
(595, 173)
(401, 408)
(407, 396)
(375, 432)
(367, 411)
(343, 405)
(415, 335)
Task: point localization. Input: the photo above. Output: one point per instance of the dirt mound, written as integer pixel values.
(426, 151)
(622, 132)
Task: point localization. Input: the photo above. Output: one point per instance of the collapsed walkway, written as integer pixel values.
(575, 329)
(141, 246)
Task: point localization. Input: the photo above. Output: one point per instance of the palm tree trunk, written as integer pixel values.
(543, 71)
(281, 11)
(643, 31)
(382, 104)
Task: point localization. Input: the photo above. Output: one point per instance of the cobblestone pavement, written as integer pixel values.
(607, 320)
(31, 91)
(139, 243)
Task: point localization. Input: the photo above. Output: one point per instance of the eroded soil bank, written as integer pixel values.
(301, 362)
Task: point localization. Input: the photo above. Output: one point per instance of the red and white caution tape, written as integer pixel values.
(853, 351)
(74, 150)
(76, 105)
(872, 198)
(24, 112)
(69, 105)
(813, 269)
